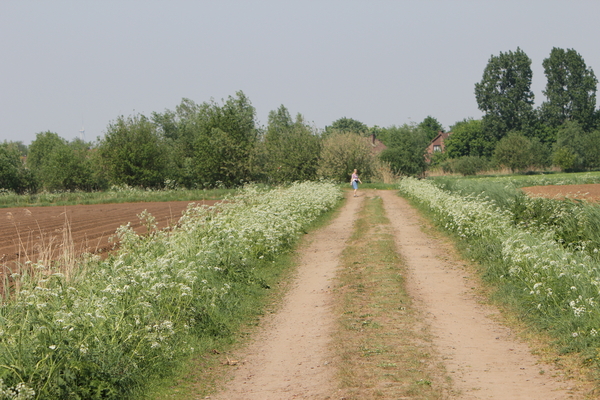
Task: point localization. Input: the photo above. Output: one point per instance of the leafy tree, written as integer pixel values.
(431, 127)
(13, 174)
(342, 153)
(39, 149)
(224, 143)
(279, 121)
(290, 149)
(564, 158)
(469, 139)
(576, 149)
(132, 152)
(504, 94)
(347, 125)
(178, 130)
(591, 149)
(72, 168)
(541, 153)
(514, 151)
(405, 151)
(570, 143)
(209, 143)
(60, 165)
(570, 89)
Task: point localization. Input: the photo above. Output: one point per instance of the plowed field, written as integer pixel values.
(589, 192)
(40, 233)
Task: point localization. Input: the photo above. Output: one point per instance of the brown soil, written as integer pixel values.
(590, 192)
(25, 233)
(291, 356)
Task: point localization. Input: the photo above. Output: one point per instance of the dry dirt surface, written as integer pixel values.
(29, 233)
(590, 192)
(484, 358)
(290, 357)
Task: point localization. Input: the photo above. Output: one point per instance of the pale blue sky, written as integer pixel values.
(68, 63)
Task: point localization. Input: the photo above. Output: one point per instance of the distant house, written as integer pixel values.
(437, 144)
(377, 145)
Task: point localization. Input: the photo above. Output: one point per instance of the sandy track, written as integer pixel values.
(484, 359)
(289, 358)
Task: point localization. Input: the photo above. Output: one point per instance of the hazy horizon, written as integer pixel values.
(73, 64)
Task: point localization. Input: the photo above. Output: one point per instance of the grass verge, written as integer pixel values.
(115, 195)
(384, 349)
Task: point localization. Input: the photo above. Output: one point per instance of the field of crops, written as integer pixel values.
(541, 254)
(116, 324)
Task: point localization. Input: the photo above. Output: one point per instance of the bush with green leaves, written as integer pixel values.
(514, 151)
(467, 165)
(59, 165)
(290, 149)
(14, 176)
(344, 152)
(406, 148)
(118, 323)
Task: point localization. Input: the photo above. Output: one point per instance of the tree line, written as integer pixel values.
(563, 131)
(202, 146)
(221, 144)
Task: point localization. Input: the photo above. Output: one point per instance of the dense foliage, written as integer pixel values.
(290, 149)
(504, 94)
(405, 152)
(216, 144)
(563, 131)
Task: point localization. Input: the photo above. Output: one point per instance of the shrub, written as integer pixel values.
(344, 152)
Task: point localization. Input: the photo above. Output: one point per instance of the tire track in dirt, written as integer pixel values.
(290, 358)
(483, 358)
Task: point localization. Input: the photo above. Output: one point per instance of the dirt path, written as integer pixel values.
(483, 358)
(290, 357)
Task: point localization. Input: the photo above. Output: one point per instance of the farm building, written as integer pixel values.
(437, 144)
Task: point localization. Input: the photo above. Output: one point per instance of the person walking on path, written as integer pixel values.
(354, 182)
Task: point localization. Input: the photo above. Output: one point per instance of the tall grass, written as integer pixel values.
(120, 322)
(554, 284)
(574, 224)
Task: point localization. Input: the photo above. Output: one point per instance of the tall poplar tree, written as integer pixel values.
(570, 89)
(504, 94)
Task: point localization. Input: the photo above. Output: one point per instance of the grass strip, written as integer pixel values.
(384, 349)
(115, 195)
